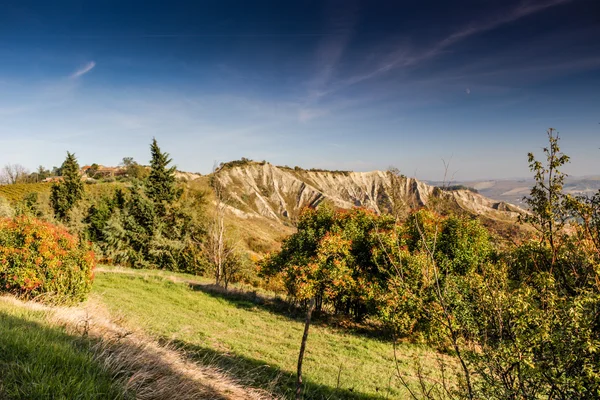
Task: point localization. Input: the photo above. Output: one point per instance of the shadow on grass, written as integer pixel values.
(255, 373)
(250, 299)
(45, 362)
(41, 362)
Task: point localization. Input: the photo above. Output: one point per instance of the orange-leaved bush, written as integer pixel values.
(42, 260)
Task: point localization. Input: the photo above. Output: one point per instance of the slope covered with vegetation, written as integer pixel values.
(256, 342)
(516, 318)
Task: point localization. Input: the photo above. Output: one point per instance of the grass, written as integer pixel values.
(247, 338)
(255, 345)
(39, 360)
(17, 191)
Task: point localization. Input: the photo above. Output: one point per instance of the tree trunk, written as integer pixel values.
(311, 306)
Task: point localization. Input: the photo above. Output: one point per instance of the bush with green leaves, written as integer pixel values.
(42, 260)
(524, 322)
(331, 259)
(361, 264)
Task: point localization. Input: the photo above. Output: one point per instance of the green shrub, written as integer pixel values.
(41, 260)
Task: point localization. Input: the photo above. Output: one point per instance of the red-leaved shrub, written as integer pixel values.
(41, 260)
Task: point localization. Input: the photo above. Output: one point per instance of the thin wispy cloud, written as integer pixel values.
(524, 9)
(341, 19)
(83, 70)
(406, 56)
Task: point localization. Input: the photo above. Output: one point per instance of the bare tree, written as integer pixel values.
(13, 173)
(220, 253)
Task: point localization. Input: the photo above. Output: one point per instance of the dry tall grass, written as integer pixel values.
(146, 369)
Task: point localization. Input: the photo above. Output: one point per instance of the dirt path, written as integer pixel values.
(152, 371)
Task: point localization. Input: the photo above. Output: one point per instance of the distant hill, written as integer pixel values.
(280, 193)
(513, 190)
(264, 200)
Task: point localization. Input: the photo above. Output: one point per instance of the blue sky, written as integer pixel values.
(324, 84)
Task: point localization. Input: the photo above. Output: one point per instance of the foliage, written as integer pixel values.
(300, 169)
(137, 171)
(238, 268)
(237, 163)
(37, 176)
(41, 259)
(13, 173)
(153, 224)
(522, 335)
(92, 170)
(133, 169)
(452, 188)
(161, 181)
(99, 214)
(523, 322)
(546, 201)
(69, 191)
(586, 210)
(396, 203)
(362, 264)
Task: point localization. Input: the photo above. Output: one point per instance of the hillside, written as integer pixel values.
(513, 190)
(264, 200)
(280, 193)
(253, 339)
(153, 335)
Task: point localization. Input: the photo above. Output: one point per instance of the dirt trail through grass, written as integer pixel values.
(145, 368)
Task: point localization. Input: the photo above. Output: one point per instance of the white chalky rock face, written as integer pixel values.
(281, 193)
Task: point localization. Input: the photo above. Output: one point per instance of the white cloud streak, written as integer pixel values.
(83, 70)
(342, 17)
(406, 57)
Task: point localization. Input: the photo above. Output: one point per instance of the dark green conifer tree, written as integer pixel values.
(69, 191)
(160, 186)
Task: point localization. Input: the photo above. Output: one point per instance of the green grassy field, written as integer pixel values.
(251, 342)
(254, 341)
(40, 360)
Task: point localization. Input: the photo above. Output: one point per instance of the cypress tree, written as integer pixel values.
(69, 191)
(160, 186)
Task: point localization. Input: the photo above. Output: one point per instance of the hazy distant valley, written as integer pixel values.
(513, 190)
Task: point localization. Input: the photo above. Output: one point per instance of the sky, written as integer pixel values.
(340, 84)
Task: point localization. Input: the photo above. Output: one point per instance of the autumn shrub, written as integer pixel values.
(43, 261)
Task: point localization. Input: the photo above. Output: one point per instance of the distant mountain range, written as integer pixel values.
(513, 190)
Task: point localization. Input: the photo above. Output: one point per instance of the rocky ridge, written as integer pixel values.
(280, 193)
